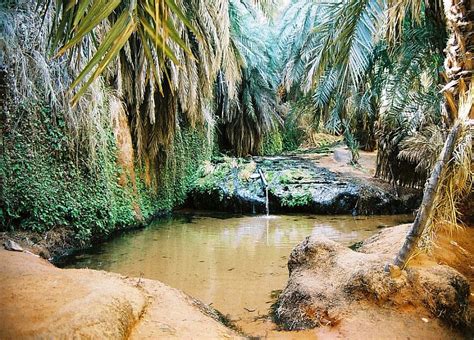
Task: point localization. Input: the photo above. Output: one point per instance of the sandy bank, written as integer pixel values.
(42, 301)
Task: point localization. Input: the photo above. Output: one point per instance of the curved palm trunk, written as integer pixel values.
(459, 65)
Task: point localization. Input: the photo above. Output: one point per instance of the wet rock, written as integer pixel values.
(12, 246)
(221, 199)
(298, 185)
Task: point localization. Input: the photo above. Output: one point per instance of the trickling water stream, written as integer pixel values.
(267, 203)
(231, 262)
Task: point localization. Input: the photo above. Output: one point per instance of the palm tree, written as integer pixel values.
(162, 57)
(249, 111)
(331, 54)
(341, 58)
(459, 63)
(410, 105)
(165, 57)
(446, 179)
(157, 23)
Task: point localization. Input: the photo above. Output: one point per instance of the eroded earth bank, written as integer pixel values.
(42, 301)
(332, 285)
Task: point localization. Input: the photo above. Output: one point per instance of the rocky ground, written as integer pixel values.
(56, 242)
(310, 182)
(42, 301)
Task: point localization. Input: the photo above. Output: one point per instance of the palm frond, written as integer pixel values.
(247, 108)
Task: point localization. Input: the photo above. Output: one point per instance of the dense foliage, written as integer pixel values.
(374, 72)
(343, 71)
(45, 187)
(167, 58)
(60, 164)
(188, 75)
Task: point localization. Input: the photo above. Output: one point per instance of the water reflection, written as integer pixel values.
(233, 263)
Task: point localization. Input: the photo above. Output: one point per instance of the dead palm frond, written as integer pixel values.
(422, 148)
(449, 181)
(458, 177)
(36, 79)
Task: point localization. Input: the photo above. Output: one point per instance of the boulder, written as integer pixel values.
(299, 185)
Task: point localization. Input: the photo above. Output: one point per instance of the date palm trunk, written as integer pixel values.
(459, 65)
(459, 61)
(425, 212)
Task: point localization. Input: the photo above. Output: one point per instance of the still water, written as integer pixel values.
(231, 262)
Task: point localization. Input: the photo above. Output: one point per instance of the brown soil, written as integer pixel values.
(457, 251)
(366, 323)
(42, 301)
(452, 248)
(339, 161)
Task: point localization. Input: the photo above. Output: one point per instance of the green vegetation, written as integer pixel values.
(46, 187)
(228, 173)
(293, 135)
(297, 199)
(291, 175)
(212, 175)
(272, 143)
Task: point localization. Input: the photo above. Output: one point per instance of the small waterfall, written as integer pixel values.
(267, 206)
(265, 185)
